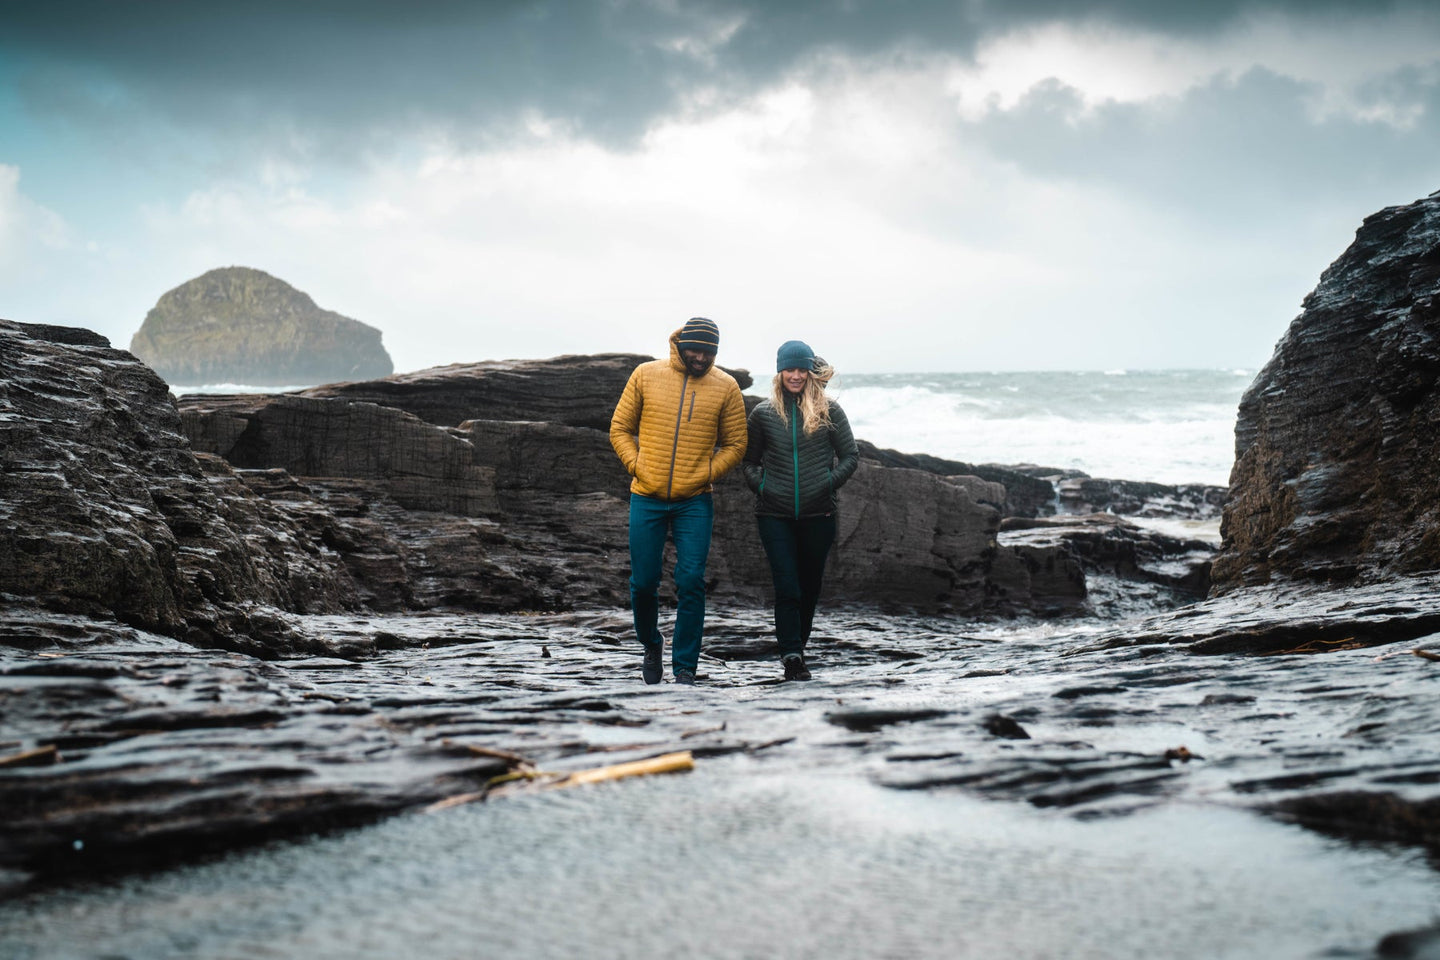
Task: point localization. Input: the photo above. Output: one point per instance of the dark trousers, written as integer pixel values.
(797, 550)
(688, 522)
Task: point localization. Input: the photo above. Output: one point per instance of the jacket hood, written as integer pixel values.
(676, 361)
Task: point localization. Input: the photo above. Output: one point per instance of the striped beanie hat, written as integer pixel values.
(700, 334)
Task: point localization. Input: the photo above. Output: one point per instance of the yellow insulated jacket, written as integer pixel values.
(676, 433)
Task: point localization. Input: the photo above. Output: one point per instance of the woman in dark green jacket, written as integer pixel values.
(800, 452)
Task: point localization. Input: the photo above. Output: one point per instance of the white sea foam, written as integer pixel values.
(239, 388)
(1173, 426)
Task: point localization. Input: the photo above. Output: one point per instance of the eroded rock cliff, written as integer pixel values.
(108, 511)
(1336, 473)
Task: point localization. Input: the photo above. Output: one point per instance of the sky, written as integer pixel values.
(907, 185)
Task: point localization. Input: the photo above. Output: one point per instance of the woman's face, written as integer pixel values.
(794, 379)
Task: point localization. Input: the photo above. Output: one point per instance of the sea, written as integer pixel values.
(1164, 426)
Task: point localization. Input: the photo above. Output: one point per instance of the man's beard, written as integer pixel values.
(700, 367)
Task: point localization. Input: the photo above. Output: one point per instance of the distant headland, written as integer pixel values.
(241, 325)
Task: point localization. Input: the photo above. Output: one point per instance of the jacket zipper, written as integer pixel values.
(691, 415)
(795, 455)
(675, 447)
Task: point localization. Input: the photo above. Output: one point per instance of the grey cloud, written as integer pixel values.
(342, 69)
(1197, 17)
(1234, 150)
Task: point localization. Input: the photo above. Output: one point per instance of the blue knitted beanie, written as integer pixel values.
(794, 355)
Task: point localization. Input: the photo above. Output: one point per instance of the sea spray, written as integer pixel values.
(1167, 426)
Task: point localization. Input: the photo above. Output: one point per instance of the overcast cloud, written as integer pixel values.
(908, 185)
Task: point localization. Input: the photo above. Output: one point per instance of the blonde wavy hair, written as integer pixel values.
(814, 405)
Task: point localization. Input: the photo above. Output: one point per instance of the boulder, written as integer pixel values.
(1025, 495)
(1115, 565)
(238, 325)
(1335, 444)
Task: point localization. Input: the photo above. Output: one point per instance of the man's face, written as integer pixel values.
(697, 361)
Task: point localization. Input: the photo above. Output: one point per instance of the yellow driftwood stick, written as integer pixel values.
(668, 763)
(504, 784)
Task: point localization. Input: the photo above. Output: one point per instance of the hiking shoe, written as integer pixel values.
(651, 669)
(795, 668)
(686, 677)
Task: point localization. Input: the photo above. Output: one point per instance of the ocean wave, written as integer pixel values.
(240, 388)
(1168, 427)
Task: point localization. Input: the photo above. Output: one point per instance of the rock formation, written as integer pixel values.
(1336, 472)
(109, 512)
(546, 503)
(212, 521)
(238, 325)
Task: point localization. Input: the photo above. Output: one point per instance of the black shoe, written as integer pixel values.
(795, 668)
(686, 677)
(651, 670)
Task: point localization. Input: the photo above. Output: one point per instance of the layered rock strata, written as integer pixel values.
(108, 511)
(556, 499)
(1336, 472)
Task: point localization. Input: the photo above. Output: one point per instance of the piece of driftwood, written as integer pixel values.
(679, 762)
(506, 783)
(39, 757)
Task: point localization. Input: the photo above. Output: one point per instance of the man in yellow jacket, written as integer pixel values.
(679, 426)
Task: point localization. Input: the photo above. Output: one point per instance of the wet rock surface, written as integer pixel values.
(1037, 491)
(1106, 564)
(163, 751)
(107, 510)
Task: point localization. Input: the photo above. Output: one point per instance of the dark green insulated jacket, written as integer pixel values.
(792, 474)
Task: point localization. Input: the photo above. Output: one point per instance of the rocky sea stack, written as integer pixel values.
(239, 325)
(1336, 474)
